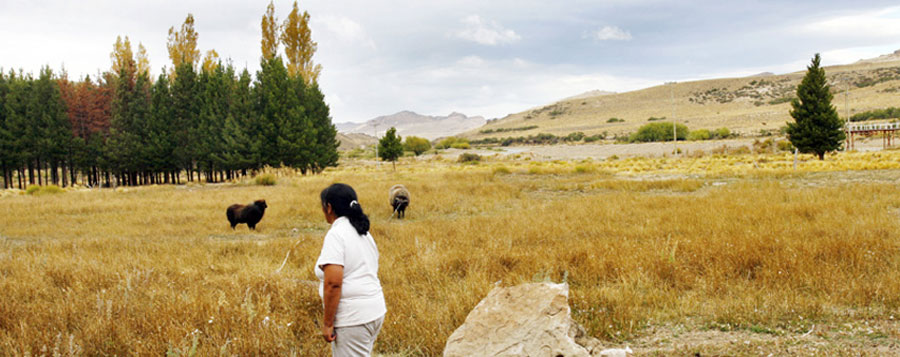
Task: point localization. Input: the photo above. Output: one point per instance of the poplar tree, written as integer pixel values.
(816, 128)
(269, 43)
(182, 46)
(299, 47)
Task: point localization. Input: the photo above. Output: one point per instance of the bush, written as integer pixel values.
(448, 143)
(615, 120)
(655, 119)
(785, 145)
(33, 189)
(265, 180)
(701, 134)
(721, 133)
(584, 169)
(417, 145)
(36, 190)
(501, 170)
(460, 145)
(468, 157)
(887, 113)
(658, 132)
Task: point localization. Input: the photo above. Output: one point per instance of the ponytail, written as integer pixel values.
(343, 201)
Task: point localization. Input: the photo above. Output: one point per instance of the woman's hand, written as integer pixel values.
(334, 277)
(328, 333)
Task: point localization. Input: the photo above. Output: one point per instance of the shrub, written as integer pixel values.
(265, 180)
(659, 132)
(886, 113)
(36, 190)
(784, 145)
(584, 169)
(468, 157)
(701, 134)
(721, 133)
(615, 120)
(448, 142)
(417, 145)
(33, 189)
(464, 145)
(655, 119)
(501, 170)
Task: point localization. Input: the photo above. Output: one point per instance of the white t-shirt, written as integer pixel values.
(362, 300)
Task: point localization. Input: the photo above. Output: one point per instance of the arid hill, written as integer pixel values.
(745, 105)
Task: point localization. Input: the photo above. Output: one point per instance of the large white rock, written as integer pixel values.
(524, 320)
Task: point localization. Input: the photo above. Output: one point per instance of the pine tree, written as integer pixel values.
(6, 139)
(390, 147)
(23, 131)
(160, 130)
(50, 124)
(239, 149)
(185, 109)
(271, 92)
(816, 127)
(325, 152)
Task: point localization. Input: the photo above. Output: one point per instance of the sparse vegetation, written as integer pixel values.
(886, 113)
(615, 120)
(503, 130)
(469, 157)
(265, 180)
(454, 143)
(745, 244)
(659, 132)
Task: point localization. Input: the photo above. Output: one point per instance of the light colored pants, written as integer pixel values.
(356, 340)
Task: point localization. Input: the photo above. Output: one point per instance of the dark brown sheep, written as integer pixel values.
(250, 214)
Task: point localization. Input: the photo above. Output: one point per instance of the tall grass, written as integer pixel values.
(157, 269)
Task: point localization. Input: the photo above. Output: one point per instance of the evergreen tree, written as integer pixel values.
(816, 127)
(6, 139)
(22, 135)
(271, 93)
(160, 139)
(185, 110)
(239, 150)
(324, 153)
(130, 108)
(54, 130)
(296, 139)
(390, 147)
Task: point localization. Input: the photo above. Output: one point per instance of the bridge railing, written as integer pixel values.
(873, 127)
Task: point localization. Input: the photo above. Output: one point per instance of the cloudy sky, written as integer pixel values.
(487, 58)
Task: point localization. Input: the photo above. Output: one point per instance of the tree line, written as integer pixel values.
(195, 121)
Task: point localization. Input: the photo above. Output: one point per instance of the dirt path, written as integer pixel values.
(603, 151)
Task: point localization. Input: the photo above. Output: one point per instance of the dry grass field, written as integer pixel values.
(745, 105)
(721, 254)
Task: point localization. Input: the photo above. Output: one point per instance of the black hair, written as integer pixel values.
(344, 202)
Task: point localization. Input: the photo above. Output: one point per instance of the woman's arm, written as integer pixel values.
(334, 277)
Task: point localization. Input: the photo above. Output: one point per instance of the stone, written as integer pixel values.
(523, 320)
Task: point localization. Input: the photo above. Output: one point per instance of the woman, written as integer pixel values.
(347, 270)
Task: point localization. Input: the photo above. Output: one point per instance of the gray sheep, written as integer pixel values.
(399, 200)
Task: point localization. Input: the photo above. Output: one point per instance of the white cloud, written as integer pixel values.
(471, 61)
(881, 24)
(486, 32)
(611, 33)
(345, 29)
